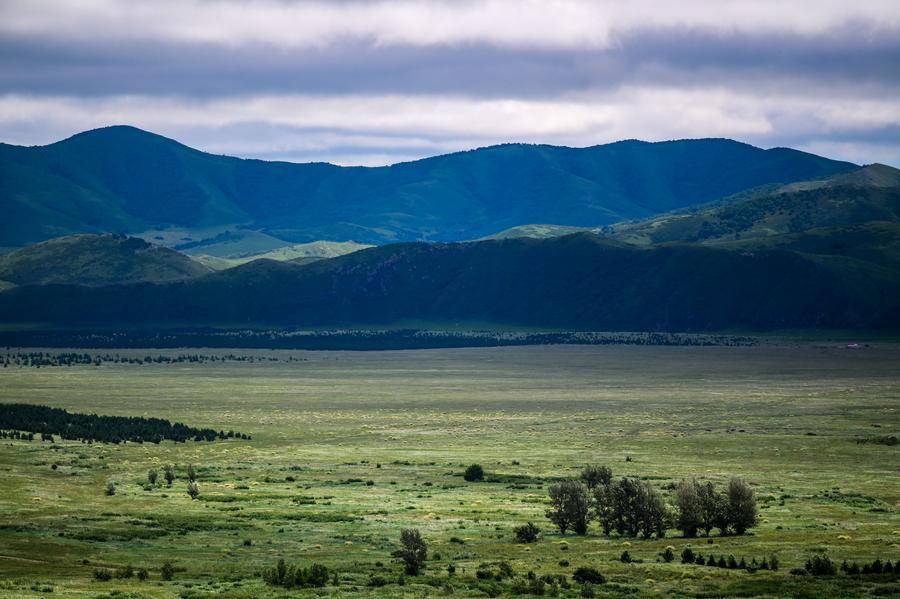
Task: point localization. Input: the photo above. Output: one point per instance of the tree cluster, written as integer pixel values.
(631, 507)
(296, 577)
(689, 557)
(106, 429)
(702, 507)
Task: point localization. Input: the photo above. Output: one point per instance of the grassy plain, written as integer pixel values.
(784, 417)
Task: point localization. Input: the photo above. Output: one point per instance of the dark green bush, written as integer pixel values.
(585, 575)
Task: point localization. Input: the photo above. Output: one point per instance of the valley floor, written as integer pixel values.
(349, 447)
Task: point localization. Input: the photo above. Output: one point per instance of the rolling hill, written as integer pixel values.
(122, 179)
(299, 253)
(579, 281)
(868, 194)
(96, 260)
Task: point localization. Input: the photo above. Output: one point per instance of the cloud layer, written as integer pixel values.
(377, 82)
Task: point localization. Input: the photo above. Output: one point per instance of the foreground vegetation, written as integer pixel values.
(359, 474)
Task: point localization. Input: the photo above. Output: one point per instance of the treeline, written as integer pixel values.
(48, 421)
(352, 339)
(822, 565)
(631, 507)
(48, 359)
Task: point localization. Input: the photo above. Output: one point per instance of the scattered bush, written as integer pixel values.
(167, 571)
(152, 475)
(102, 575)
(474, 473)
(586, 575)
(687, 556)
(110, 489)
(527, 533)
(192, 489)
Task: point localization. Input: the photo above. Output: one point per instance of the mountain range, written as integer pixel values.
(124, 180)
(780, 253)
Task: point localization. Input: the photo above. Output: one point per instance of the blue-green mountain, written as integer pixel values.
(124, 180)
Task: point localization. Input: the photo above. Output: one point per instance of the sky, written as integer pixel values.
(379, 82)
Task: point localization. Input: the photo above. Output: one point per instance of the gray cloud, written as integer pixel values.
(350, 81)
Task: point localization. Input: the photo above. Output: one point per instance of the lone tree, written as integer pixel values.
(192, 489)
(474, 473)
(594, 476)
(742, 513)
(152, 475)
(413, 550)
(690, 511)
(169, 474)
(570, 506)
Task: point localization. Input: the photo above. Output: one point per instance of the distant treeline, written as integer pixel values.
(49, 421)
(350, 339)
(46, 359)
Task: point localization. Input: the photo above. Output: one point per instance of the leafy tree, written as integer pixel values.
(631, 507)
(713, 509)
(527, 533)
(653, 515)
(690, 509)
(570, 506)
(169, 474)
(742, 512)
(152, 475)
(603, 510)
(414, 550)
(593, 476)
(474, 473)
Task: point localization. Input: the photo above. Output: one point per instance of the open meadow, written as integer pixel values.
(348, 448)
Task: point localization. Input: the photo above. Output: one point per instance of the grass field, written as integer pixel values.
(784, 417)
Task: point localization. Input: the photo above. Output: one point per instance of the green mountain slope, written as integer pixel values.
(579, 281)
(95, 260)
(867, 195)
(122, 179)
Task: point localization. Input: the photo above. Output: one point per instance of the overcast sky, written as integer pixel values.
(378, 82)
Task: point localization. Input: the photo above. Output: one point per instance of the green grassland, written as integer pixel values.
(785, 417)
